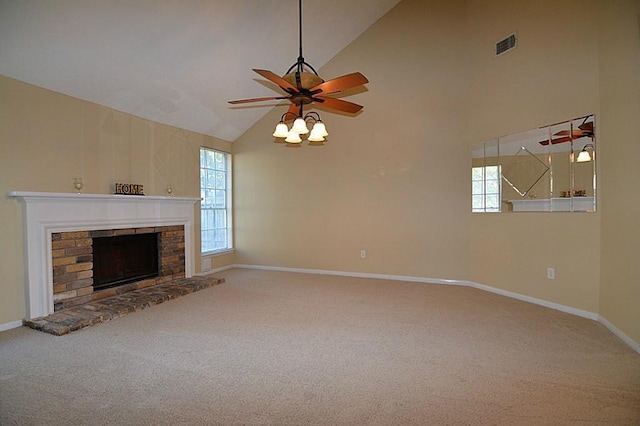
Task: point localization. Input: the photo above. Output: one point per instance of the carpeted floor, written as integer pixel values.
(289, 349)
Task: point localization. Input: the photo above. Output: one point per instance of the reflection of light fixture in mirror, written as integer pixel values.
(584, 155)
(318, 131)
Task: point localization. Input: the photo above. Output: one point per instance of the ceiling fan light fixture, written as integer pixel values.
(303, 86)
(282, 130)
(300, 126)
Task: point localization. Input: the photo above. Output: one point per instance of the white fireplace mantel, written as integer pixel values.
(45, 213)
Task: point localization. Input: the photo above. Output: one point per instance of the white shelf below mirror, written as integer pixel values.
(568, 204)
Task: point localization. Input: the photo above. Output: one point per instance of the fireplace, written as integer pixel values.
(92, 265)
(59, 229)
(124, 259)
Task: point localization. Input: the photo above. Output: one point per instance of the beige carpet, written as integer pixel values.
(289, 349)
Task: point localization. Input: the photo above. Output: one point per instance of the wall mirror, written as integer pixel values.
(548, 169)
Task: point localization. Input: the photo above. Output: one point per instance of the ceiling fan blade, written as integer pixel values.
(556, 140)
(293, 109)
(561, 140)
(576, 133)
(587, 127)
(338, 104)
(339, 84)
(244, 101)
(275, 78)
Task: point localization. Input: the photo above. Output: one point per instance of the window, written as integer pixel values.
(215, 191)
(485, 189)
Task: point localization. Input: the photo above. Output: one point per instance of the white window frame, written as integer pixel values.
(490, 202)
(216, 203)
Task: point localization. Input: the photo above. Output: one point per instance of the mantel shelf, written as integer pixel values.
(82, 196)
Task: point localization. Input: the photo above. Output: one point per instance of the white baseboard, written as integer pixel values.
(213, 271)
(621, 335)
(354, 274)
(536, 301)
(552, 305)
(10, 325)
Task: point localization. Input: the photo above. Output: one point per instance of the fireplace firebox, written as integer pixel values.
(123, 259)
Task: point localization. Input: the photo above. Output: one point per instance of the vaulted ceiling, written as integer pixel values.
(174, 62)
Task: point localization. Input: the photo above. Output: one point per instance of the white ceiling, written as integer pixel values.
(174, 62)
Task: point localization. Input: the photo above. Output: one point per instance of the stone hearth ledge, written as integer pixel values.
(78, 317)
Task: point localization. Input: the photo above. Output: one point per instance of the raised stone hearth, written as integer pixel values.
(99, 311)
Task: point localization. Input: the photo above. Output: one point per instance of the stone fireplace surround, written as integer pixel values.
(46, 214)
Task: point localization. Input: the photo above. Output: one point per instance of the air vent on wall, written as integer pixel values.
(506, 44)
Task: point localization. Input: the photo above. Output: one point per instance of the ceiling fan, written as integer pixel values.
(303, 85)
(583, 130)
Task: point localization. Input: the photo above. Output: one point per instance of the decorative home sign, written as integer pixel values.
(128, 189)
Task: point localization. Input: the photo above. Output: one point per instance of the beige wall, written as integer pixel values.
(550, 77)
(619, 172)
(47, 139)
(393, 181)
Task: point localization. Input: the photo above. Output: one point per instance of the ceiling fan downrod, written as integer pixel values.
(300, 63)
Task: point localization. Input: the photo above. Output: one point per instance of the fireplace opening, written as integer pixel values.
(123, 259)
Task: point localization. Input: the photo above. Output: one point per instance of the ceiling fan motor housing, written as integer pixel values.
(303, 80)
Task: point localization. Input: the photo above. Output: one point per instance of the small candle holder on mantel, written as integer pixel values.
(169, 190)
(78, 184)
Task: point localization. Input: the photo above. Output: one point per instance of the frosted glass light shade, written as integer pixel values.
(320, 129)
(315, 136)
(293, 137)
(583, 156)
(282, 131)
(300, 126)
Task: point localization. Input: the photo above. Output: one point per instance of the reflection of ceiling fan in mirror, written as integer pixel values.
(584, 130)
(303, 86)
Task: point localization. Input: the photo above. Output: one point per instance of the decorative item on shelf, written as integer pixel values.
(78, 184)
(128, 189)
(576, 193)
(169, 190)
(585, 155)
(303, 86)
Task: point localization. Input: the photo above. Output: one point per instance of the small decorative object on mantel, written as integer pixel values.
(128, 189)
(77, 184)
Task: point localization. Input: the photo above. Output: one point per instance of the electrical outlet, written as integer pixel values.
(363, 254)
(551, 273)
(206, 264)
